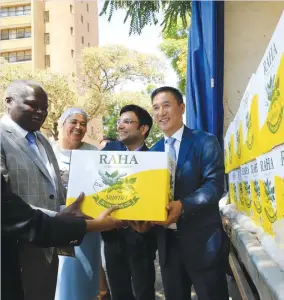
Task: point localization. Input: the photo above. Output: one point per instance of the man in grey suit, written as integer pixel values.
(30, 168)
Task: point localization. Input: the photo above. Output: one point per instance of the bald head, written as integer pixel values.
(27, 104)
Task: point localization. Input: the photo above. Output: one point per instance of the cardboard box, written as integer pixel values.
(238, 138)
(250, 121)
(229, 148)
(140, 183)
(266, 172)
(270, 77)
(255, 193)
(236, 189)
(278, 153)
(233, 188)
(247, 195)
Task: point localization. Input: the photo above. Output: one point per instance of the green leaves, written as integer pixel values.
(269, 190)
(143, 13)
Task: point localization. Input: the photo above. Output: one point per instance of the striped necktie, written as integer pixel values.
(172, 151)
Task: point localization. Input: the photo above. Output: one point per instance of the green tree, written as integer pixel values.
(174, 46)
(143, 13)
(60, 94)
(105, 68)
(121, 99)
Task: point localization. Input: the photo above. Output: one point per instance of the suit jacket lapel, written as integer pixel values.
(24, 145)
(47, 146)
(185, 147)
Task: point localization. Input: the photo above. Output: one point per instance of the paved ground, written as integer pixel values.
(233, 290)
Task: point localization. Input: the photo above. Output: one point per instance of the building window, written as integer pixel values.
(46, 38)
(88, 26)
(72, 53)
(19, 33)
(47, 61)
(87, 7)
(82, 40)
(15, 11)
(17, 56)
(46, 16)
(71, 9)
(82, 19)
(71, 30)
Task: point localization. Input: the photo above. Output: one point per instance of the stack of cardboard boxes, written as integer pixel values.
(254, 142)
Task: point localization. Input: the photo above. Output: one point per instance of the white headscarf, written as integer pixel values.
(71, 111)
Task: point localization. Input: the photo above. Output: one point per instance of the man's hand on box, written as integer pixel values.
(174, 209)
(140, 226)
(105, 221)
(74, 209)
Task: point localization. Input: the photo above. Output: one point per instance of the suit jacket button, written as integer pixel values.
(22, 269)
(51, 196)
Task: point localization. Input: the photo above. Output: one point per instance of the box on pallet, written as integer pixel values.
(238, 138)
(270, 78)
(233, 188)
(266, 170)
(140, 183)
(250, 122)
(255, 193)
(240, 196)
(278, 153)
(246, 188)
(229, 148)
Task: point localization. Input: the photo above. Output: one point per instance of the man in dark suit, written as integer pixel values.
(20, 222)
(129, 254)
(191, 241)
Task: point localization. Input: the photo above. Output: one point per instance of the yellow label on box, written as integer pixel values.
(229, 149)
(266, 170)
(278, 153)
(247, 194)
(250, 122)
(140, 183)
(255, 194)
(270, 78)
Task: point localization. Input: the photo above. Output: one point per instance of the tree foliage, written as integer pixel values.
(143, 13)
(119, 100)
(175, 48)
(60, 94)
(105, 68)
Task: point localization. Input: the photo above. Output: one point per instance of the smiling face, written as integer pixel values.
(128, 129)
(29, 109)
(167, 112)
(74, 128)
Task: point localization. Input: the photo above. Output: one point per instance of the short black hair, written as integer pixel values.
(176, 93)
(143, 116)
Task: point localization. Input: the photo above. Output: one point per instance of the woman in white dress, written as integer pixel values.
(79, 276)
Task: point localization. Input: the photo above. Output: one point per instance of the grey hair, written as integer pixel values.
(18, 88)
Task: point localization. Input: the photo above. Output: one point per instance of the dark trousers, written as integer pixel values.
(178, 277)
(130, 269)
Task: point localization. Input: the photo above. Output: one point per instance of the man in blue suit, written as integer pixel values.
(130, 255)
(191, 241)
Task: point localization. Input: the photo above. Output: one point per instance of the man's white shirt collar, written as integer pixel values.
(6, 119)
(177, 135)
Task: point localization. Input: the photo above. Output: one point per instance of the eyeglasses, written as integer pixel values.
(125, 121)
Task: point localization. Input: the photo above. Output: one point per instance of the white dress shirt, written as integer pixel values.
(178, 136)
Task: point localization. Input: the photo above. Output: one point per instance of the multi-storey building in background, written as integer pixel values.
(47, 34)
